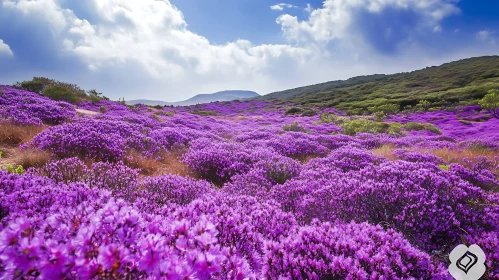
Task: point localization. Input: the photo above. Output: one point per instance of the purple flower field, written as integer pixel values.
(247, 192)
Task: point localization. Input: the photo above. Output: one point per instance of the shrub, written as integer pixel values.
(385, 109)
(309, 113)
(60, 93)
(175, 189)
(323, 251)
(424, 105)
(293, 110)
(410, 126)
(294, 127)
(352, 127)
(102, 109)
(490, 102)
(414, 126)
(331, 118)
(217, 162)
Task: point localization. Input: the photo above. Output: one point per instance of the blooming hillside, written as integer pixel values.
(240, 190)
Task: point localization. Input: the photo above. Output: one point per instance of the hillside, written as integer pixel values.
(227, 95)
(456, 83)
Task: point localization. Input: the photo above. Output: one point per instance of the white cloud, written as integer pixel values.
(5, 49)
(487, 36)
(309, 8)
(145, 48)
(281, 6)
(153, 35)
(336, 17)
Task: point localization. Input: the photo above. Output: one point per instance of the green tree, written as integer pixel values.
(95, 96)
(61, 93)
(37, 84)
(490, 102)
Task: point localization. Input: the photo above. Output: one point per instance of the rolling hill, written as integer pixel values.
(227, 95)
(456, 83)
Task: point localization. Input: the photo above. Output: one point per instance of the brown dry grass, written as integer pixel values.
(12, 134)
(169, 164)
(385, 151)
(27, 158)
(459, 156)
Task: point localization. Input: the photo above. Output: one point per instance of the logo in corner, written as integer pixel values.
(467, 263)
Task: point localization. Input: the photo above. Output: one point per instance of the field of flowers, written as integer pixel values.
(242, 190)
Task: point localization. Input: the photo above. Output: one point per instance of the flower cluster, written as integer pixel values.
(23, 107)
(261, 202)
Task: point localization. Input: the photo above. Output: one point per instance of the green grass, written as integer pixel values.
(462, 82)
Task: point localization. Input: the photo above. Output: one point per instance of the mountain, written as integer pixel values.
(226, 95)
(457, 83)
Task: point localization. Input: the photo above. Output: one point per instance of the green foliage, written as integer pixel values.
(41, 84)
(379, 116)
(414, 126)
(203, 113)
(432, 128)
(395, 128)
(354, 126)
(293, 110)
(490, 102)
(61, 93)
(424, 105)
(1, 154)
(331, 118)
(17, 170)
(452, 84)
(465, 122)
(294, 127)
(410, 126)
(445, 167)
(309, 113)
(95, 96)
(385, 109)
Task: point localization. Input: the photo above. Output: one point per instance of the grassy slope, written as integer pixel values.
(456, 83)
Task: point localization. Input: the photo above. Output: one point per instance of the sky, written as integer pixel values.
(171, 50)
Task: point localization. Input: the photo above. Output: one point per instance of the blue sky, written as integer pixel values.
(173, 49)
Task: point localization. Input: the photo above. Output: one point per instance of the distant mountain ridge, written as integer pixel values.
(226, 95)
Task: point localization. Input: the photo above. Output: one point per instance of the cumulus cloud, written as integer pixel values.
(336, 18)
(154, 36)
(5, 49)
(145, 48)
(281, 6)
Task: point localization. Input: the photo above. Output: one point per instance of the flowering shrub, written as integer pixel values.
(174, 189)
(352, 251)
(23, 107)
(217, 162)
(116, 177)
(313, 205)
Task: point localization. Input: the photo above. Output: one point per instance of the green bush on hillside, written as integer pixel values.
(60, 93)
(41, 84)
(490, 102)
(410, 126)
(294, 127)
(309, 113)
(352, 127)
(293, 110)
